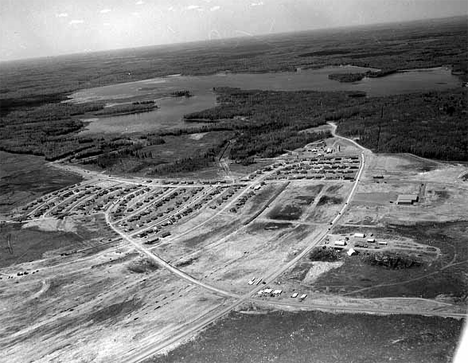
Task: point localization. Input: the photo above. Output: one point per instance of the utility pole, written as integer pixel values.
(9, 243)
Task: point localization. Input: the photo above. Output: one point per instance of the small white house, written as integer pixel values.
(351, 252)
(340, 243)
(371, 240)
(359, 235)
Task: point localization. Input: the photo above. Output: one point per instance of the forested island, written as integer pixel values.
(127, 109)
(356, 77)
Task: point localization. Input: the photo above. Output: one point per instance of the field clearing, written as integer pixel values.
(440, 203)
(24, 178)
(95, 313)
(28, 244)
(254, 252)
(334, 195)
(294, 201)
(321, 337)
(184, 146)
(215, 230)
(445, 276)
(406, 167)
(49, 238)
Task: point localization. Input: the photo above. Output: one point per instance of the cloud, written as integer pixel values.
(171, 8)
(260, 3)
(192, 7)
(105, 11)
(214, 8)
(76, 22)
(61, 15)
(139, 2)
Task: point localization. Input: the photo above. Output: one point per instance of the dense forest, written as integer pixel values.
(433, 124)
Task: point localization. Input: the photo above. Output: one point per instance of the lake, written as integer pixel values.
(171, 110)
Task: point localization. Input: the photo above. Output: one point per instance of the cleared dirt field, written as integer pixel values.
(330, 202)
(294, 201)
(375, 203)
(253, 252)
(94, 309)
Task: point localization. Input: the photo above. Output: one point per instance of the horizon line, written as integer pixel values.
(263, 35)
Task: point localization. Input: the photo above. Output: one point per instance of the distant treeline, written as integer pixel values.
(397, 47)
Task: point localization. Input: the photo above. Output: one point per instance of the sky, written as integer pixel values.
(38, 28)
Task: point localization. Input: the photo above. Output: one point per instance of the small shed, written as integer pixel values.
(351, 252)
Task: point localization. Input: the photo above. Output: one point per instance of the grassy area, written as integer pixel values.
(32, 243)
(447, 275)
(26, 177)
(321, 337)
(29, 244)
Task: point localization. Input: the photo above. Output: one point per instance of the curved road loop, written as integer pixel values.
(195, 326)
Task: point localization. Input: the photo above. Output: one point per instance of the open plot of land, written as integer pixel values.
(95, 308)
(46, 238)
(254, 252)
(294, 202)
(25, 177)
(369, 277)
(330, 202)
(375, 203)
(321, 337)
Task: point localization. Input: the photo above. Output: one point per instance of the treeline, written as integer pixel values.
(346, 77)
(190, 164)
(269, 122)
(183, 93)
(392, 260)
(432, 125)
(46, 130)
